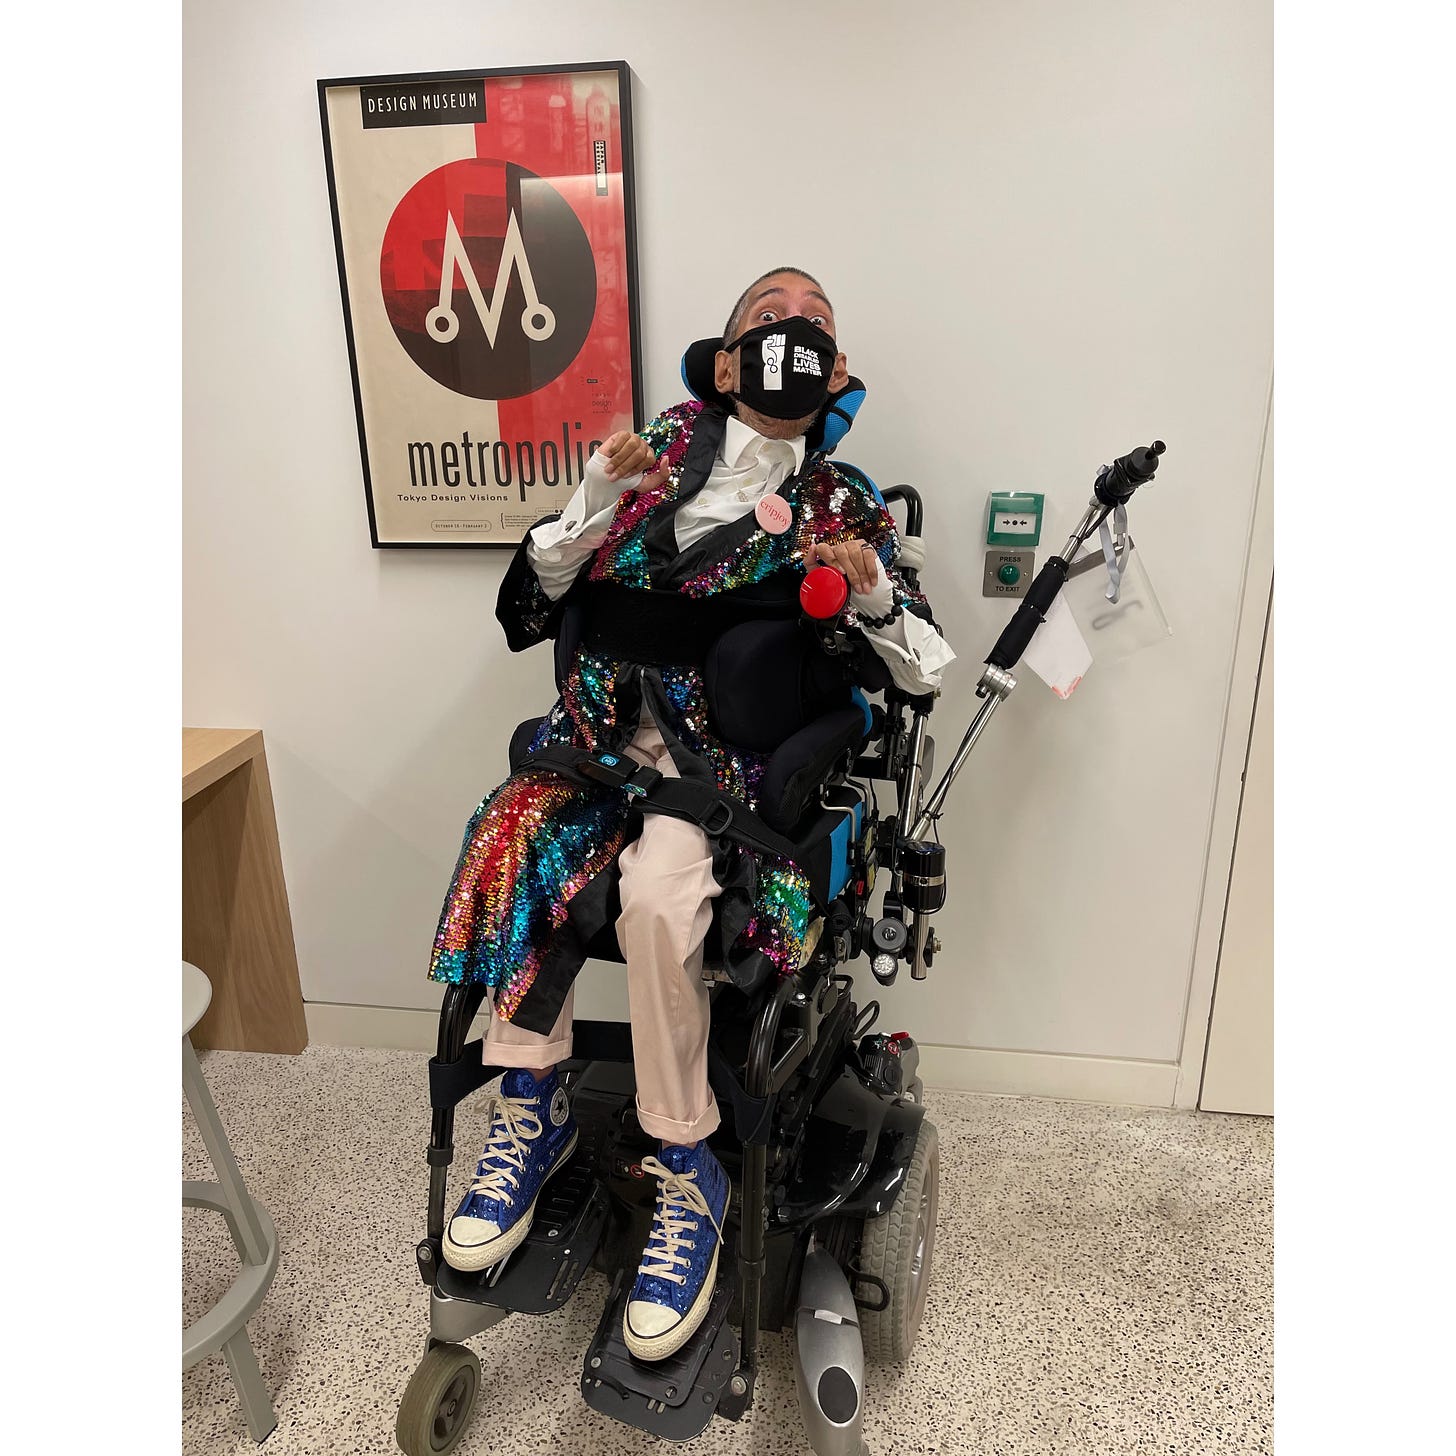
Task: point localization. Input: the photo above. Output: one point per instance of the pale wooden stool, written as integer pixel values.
(225, 1326)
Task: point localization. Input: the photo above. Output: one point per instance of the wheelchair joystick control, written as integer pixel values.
(823, 593)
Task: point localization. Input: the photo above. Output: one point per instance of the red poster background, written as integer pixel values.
(555, 141)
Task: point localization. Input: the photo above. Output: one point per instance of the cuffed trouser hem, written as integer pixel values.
(509, 1045)
(543, 1054)
(671, 1131)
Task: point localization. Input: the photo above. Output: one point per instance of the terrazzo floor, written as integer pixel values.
(1102, 1283)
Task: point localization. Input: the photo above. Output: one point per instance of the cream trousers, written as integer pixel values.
(667, 891)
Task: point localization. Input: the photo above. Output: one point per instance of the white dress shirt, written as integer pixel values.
(749, 466)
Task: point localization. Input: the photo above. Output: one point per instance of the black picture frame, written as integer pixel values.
(521, 115)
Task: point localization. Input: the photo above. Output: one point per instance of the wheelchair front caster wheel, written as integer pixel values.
(438, 1401)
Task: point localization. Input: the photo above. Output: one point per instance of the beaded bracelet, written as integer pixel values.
(865, 620)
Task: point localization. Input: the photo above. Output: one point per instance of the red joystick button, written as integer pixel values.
(823, 593)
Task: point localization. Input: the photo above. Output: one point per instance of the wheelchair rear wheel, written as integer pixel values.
(897, 1248)
(438, 1401)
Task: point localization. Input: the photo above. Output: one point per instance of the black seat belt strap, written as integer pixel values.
(718, 815)
(615, 770)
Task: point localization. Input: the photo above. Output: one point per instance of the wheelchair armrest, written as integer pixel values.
(803, 761)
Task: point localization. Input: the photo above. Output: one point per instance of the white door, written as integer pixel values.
(1238, 1071)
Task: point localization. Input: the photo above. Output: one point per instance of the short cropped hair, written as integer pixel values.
(730, 329)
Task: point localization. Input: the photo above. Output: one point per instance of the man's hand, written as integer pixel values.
(626, 454)
(856, 559)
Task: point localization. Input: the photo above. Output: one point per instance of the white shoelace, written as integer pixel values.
(509, 1143)
(677, 1195)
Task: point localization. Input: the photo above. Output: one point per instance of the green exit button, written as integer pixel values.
(1008, 573)
(1014, 518)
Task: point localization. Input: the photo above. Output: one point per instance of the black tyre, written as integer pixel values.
(897, 1248)
(438, 1401)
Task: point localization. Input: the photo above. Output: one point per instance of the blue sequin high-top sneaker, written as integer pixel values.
(680, 1266)
(532, 1135)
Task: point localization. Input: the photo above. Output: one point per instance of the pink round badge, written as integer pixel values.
(774, 514)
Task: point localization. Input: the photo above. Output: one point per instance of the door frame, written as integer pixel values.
(1238, 725)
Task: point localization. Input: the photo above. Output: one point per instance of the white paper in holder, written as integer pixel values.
(1057, 653)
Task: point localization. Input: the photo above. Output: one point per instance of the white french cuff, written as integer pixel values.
(912, 649)
(558, 549)
(878, 599)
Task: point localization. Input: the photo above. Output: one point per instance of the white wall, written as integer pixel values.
(1046, 227)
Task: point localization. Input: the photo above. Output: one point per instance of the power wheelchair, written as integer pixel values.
(834, 1165)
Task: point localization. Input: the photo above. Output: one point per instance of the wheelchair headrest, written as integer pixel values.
(824, 434)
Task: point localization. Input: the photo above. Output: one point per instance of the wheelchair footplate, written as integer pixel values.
(543, 1272)
(674, 1398)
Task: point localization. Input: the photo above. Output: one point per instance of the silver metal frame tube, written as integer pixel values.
(1092, 517)
(937, 799)
(910, 789)
(994, 686)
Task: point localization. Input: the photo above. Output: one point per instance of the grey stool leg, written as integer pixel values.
(252, 1393)
(242, 1220)
(248, 1235)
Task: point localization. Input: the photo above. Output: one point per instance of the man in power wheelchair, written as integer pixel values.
(685, 805)
(709, 740)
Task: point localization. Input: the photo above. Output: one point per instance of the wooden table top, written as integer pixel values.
(209, 754)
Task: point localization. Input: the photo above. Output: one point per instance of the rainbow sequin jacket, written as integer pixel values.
(764, 908)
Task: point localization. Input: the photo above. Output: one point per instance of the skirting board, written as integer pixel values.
(952, 1068)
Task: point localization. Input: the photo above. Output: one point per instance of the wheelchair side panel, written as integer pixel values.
(856, 1148)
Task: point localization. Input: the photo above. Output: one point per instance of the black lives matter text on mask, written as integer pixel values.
(422, 103)
(497, 465)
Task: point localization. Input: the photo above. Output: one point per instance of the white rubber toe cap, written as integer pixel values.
(471, 1233)
(651, 1320)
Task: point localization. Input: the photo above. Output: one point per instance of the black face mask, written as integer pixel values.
(784, 368)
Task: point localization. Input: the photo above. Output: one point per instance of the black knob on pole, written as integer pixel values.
(1115, 483)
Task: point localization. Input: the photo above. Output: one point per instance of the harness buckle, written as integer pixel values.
(618, 771)
(614, 769)
(643, 781)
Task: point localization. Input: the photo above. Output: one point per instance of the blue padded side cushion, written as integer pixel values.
(839, 849)
(834, 424)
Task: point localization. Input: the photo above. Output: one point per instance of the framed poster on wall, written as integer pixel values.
(484, 224)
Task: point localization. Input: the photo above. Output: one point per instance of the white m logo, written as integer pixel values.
(538, 322)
